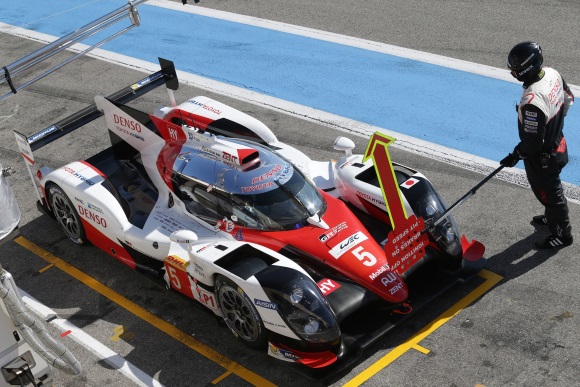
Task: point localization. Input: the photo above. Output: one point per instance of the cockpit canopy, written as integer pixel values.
(271, 195)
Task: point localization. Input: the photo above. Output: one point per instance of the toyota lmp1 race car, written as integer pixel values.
(290, 252)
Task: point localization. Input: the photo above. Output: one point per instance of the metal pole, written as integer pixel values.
(464, 197)
(7, 73)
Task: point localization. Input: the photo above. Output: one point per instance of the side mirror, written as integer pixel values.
(183, 237)
(344, 144)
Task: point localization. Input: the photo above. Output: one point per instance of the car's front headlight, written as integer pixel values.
(445, 234)
(301, 304)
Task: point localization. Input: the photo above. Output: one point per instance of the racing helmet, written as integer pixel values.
(525, 60)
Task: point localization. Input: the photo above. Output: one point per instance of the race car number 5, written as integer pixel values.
(173, 277)
(364, 256)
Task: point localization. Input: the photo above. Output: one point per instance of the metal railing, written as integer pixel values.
(10, 72)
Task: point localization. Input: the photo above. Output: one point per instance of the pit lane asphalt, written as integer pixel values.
(523, 332)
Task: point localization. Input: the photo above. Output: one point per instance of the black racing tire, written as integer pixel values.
(66, 215)
(240, 314)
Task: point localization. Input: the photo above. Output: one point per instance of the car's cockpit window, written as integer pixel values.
(197, 201)
(274, 195)
(286, 207)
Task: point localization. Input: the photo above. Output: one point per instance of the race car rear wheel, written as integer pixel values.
(240, 314)
(66, 215)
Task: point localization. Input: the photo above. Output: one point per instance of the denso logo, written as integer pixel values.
(127, 123)
(92, 216)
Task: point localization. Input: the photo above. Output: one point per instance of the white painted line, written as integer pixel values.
(102, 352)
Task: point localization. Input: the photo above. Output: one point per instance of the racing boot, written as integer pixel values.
(554, 242)
(540, 219)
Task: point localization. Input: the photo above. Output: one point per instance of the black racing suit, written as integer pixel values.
(541, 113)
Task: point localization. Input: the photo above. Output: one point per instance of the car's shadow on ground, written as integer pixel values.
(516, 260)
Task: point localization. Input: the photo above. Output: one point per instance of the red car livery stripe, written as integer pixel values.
(30, 161)
(101, 241)
(190, 119)
(174, 137)
(373, 210)
(246, 155)
(346, 246)
(93, 168)
(309, 359)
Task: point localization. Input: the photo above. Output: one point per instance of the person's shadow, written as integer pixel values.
(512, 262)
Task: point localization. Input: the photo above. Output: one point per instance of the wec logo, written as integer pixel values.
(348, 244)
(351, 239)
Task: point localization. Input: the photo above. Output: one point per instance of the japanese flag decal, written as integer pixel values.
(409, 182)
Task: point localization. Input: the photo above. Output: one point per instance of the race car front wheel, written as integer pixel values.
(240, 314)
(66, 215)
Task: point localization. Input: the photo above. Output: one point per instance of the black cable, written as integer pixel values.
(8, 79)
(20, 380)
(30, 376)
(24, 369)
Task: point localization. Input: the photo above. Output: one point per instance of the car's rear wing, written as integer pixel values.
(28, 144)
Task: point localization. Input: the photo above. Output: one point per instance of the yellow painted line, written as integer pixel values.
(45, 268)
(119, 330)
(138, 311)
(491, 280)
(222, 377)
(421, 349)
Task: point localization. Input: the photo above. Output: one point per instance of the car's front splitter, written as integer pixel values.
(369, 324)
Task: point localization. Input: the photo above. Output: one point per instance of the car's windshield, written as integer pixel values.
(287, 206)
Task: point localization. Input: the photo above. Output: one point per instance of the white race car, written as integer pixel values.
(289, 251)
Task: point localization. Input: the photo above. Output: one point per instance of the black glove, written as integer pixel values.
(512, 159)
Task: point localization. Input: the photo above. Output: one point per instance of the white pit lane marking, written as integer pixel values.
(102, 352)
